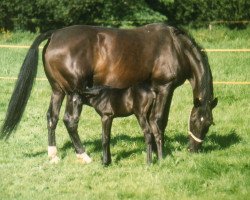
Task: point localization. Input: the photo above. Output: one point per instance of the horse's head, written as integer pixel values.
(201, 119)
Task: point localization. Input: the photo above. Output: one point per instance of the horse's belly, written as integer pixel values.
(121, 77)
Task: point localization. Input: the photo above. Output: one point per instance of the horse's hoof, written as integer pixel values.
(54, 160)
(84, 158)
(106, 163)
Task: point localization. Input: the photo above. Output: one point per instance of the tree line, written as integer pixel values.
(41, 15)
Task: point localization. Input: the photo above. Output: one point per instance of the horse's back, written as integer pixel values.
(114, 57)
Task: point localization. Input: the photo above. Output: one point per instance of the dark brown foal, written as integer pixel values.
(112, 102)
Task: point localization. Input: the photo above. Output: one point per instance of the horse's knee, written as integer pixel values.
(148, 138)
(155, 124)
(52, 120)
(66, 119)
(156, 119)
(71, 122)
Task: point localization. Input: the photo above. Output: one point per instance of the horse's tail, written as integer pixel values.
(23, 87)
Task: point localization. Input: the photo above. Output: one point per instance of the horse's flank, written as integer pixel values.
(118, 58)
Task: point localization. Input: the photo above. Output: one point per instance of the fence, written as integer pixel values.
(207, 50)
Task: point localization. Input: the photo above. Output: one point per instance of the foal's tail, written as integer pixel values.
(23, 87)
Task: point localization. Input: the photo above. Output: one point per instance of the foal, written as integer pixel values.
(110, 103)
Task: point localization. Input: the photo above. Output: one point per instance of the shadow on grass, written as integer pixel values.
(213, 142)
(36, 154)
(96, 146)
(218, 141)
(122, 138)
(114, 140)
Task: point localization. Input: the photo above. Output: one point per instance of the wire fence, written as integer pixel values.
(207, 50)
(220, 22)
(5, 78)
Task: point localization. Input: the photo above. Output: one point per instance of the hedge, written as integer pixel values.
(40, 15)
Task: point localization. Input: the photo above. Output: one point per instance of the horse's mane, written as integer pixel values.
(196, 49)
(193, 44)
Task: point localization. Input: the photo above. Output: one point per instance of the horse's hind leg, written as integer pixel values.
(71, 119)
(52, 119)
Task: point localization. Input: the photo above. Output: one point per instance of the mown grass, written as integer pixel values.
(220, 171)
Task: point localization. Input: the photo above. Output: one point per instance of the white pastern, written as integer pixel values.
(52, 153)
(54, 160)
(85, 158)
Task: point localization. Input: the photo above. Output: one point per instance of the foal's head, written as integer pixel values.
(201, 119)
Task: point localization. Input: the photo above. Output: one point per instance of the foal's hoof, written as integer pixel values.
(54, 160)
(84, 158)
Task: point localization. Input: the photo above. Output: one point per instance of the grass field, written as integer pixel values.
(220, 171)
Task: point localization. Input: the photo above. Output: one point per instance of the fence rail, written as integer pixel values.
(16, 46)
(207, 50)
(226, 50)
(215, 82)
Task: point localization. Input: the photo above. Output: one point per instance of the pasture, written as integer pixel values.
(220, 171)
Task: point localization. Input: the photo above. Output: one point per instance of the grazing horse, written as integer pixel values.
(79, 56)
(110, 103)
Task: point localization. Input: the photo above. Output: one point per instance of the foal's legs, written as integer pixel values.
(106, 129)
(147, 135)
(71, 119)
(52, 119)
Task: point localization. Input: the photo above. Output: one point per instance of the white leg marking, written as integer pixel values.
(52, 153)
(50, 123)
(85, 158)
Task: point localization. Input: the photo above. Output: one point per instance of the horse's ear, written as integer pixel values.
(214, 103)
(197, 102)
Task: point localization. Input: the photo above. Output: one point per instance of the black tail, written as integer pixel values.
(23, 88)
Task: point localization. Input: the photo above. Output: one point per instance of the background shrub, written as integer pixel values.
(41, 15)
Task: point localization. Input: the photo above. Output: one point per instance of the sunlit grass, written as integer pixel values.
(220, 171)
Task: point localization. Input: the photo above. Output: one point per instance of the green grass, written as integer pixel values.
(220, 171)
(222, 38)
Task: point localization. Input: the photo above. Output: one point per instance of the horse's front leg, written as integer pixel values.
(106, 129)
(52, 119)
(160, 113)
(71, 119)
(158, 139)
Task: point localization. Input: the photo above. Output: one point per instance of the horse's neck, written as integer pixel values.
(199, 75)
(201, 82)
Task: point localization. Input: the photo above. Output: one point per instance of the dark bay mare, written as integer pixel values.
(79, 56)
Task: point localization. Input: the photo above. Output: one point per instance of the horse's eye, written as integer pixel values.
(202, 119)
